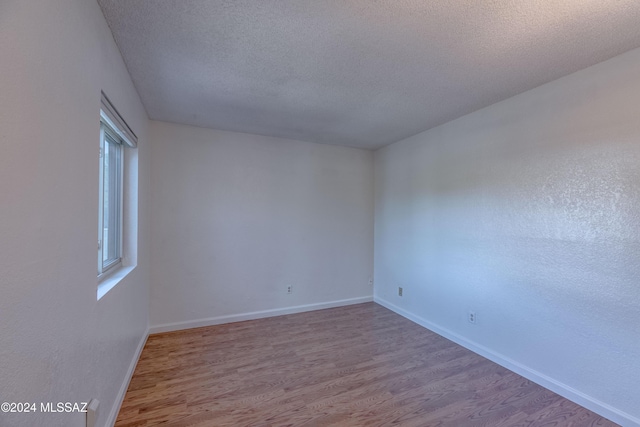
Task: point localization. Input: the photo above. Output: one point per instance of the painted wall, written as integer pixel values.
(236, 218)
(57, 342)
(528, 213)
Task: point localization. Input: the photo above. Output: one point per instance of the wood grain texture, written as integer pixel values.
(360, 365)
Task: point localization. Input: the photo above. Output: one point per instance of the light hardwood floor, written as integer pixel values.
(360, 365)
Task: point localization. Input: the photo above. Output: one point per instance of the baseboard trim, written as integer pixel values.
(219, 320)
(562, 389)
(113, 415)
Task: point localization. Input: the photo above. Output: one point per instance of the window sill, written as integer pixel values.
(113, 279)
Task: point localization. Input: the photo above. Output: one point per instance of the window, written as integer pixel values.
(110, 204)
(115, 135)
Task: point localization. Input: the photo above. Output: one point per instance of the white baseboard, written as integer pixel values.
(113, 415)
(564, 390)
(168, 327)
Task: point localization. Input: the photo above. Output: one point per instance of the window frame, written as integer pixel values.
(109, 135)
(113, 128)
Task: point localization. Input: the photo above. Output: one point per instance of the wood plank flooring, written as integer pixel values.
(360, 365)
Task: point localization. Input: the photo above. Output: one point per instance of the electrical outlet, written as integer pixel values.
(289, 289)
(472, 317)
(399, 291)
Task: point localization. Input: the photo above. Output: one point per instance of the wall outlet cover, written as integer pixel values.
(472, 317)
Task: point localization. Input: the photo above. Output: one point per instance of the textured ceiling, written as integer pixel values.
(363, 73)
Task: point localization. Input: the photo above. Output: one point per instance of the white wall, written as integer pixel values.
(57, 342)
(236, 218)
(528, 213)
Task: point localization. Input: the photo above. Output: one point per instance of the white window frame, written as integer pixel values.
(109, 136)
(115, 132)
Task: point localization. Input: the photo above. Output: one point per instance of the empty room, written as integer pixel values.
(319, 213)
